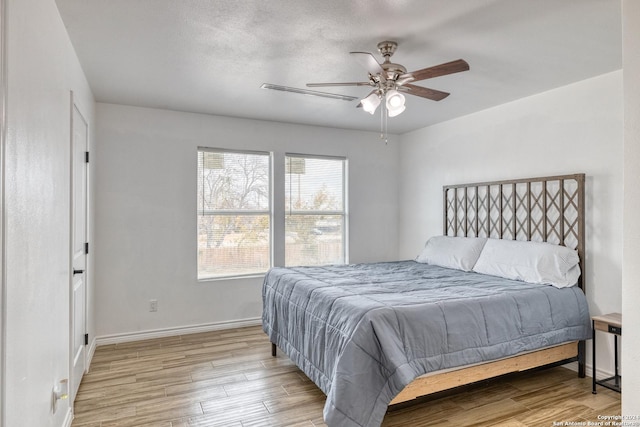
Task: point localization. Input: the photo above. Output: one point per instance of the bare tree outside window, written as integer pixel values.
(315, 214)
(233, 213)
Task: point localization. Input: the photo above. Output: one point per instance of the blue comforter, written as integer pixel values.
(363, 332)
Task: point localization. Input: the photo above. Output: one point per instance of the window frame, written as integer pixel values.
(232, 212)
(345, 208)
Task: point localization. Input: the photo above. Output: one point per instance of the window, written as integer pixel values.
(315, 211)
(234, 213)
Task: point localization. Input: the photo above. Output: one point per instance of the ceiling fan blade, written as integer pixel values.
(307, 92)
(438, 70)
(368, 61)
(432, 94)
(339, 84)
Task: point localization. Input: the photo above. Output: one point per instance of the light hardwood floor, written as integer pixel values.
(228, 378)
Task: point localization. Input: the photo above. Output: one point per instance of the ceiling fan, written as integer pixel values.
(390, 81)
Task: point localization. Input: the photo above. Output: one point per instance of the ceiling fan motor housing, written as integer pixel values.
(387, 48)
(393, 71)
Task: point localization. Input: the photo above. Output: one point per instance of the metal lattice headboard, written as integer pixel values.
(548, 209)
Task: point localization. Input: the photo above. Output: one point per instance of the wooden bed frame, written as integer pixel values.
(547, 209)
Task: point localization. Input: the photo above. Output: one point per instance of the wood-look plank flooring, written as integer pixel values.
(229, 378)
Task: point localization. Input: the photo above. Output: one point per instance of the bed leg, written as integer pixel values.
(581, 359)
(273, 350)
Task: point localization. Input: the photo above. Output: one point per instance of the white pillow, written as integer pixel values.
(460, 253)
(533, 262)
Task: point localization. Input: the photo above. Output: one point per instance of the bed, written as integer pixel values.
(371, 335)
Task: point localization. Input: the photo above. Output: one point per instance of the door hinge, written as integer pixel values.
(86, 157)
(86, 339)
(86, 248)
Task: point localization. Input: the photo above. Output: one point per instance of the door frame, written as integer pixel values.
(75, 107)
(3, 137)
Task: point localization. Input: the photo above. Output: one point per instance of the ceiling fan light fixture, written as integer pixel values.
(370, 103)
(395, 103)
(394, 99)
(396, 111)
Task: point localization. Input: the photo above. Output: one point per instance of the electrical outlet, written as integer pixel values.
(153, 305)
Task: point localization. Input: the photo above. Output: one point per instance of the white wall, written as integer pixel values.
(146, 219)
(3, 134)
(573, 129)
(631, 263)
(42, 70)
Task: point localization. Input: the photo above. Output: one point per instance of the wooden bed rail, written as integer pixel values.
(437, 382)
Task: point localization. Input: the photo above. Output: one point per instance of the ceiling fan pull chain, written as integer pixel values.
(381, 108)
(383, 123)
(386, 125)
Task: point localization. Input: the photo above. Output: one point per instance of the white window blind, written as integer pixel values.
(315, 211)
(234, 213)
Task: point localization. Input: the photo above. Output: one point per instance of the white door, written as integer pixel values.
(79, 147)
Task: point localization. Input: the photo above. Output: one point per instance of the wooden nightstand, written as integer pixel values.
(612, 324)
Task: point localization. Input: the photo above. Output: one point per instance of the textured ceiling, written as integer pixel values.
(211, 56)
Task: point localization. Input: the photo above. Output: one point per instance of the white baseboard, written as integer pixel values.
(574, 367)
(170, 332)
(90, 352)
(600, 373)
